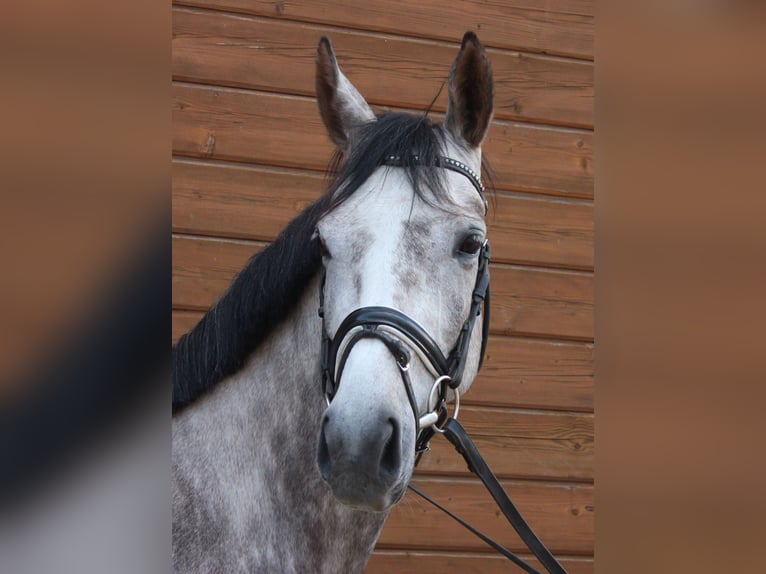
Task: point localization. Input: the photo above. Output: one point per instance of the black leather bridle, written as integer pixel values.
(401, 334)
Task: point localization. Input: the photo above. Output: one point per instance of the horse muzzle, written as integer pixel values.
(364, 468)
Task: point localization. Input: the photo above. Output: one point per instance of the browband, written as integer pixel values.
(446, 163)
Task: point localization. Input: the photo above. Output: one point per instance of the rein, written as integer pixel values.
(402, 335)
(454, 432)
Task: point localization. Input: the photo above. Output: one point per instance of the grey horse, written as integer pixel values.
(266, 476)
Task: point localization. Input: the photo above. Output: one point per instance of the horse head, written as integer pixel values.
(404, 253)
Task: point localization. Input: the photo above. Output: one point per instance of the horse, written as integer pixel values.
(293, 397)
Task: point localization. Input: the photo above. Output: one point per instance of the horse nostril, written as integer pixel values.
(323, 453)
(391, 459)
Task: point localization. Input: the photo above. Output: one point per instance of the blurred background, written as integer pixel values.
(675, 167)
(84, 287)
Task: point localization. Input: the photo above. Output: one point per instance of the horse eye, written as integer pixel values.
(471, 244)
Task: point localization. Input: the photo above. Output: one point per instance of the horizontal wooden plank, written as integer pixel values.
(563, 27)
(535, 373)
(520, 444)
(388, 561)
(541, 231)
(562, 515)
(286, 131)
(257, 203)
(267, 54)
(556, 304)
(241, 202)
(517, 372)
(538, 159)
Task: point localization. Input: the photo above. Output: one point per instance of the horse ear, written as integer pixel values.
(342, 107)
(471, 93)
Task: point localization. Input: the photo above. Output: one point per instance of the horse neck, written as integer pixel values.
(259, 432)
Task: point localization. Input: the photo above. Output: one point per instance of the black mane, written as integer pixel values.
(273, 281)
(261, 295)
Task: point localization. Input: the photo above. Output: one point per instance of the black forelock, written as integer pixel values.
(413, 138)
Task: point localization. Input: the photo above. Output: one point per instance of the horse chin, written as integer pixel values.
(360, 491)
(365, 500)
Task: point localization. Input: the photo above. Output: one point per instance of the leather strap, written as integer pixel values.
(367, 316)
(455, 433)
(479, 297)
(501, 549)
(398, 350)
(453, 365)
(446, 163)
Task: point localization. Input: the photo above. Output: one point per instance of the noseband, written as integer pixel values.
(402, 335)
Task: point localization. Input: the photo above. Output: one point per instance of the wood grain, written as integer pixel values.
(286, 131)
(538, 230)
(560, 514)
(246, 202)
(388, 561)
(266, 54)
(557, 304)
(564, 27)
(542, 302)
(520, 443)
(535, 373)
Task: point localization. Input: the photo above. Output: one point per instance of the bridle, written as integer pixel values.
(402, 336)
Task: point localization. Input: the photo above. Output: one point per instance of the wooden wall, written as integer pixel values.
(249, 152)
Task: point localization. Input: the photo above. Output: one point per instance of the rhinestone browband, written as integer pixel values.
(446, 163)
